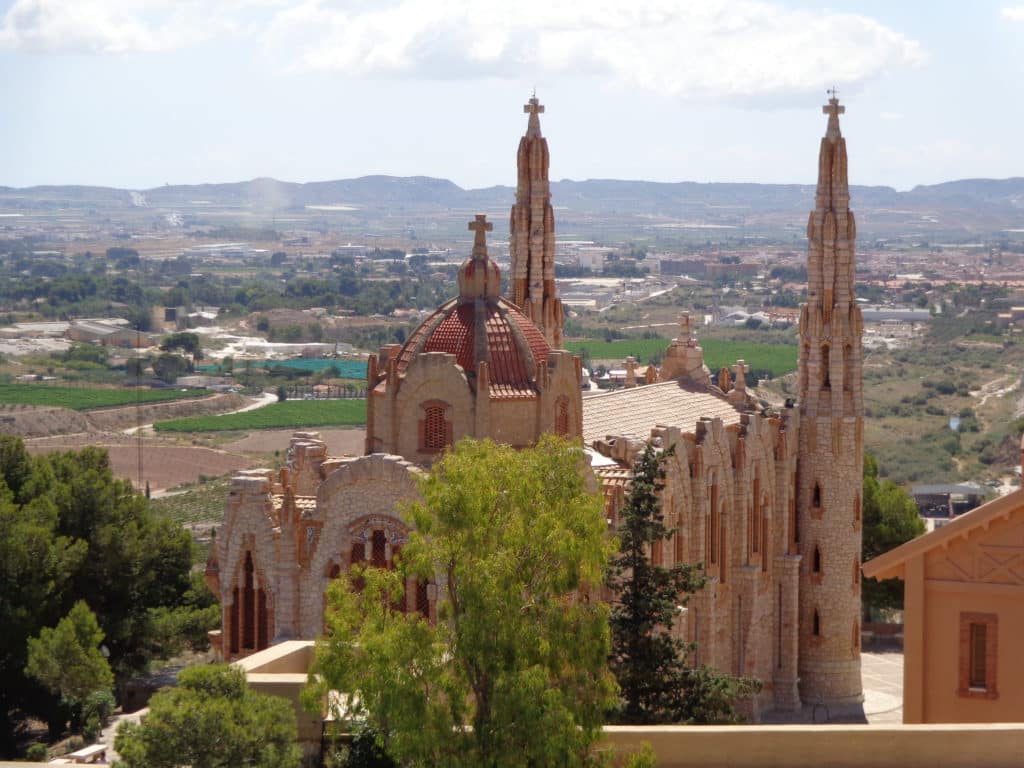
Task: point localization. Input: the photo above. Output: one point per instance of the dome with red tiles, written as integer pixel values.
(483, 329)
(481, 326)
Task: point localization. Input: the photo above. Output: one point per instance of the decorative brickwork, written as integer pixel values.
(830, 456)
(435, 428)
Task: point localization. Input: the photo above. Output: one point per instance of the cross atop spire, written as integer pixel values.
(833, 109)
(533, 108)
(481, 226)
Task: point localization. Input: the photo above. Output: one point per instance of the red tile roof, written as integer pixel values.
(512, 341)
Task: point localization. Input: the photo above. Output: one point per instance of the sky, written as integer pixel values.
(141, 93)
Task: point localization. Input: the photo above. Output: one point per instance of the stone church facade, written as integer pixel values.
(768, 501)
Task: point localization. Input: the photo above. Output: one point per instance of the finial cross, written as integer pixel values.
(534, 107)
(480, 225)
(833, 108)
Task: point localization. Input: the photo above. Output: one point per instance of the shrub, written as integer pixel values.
(36, 753)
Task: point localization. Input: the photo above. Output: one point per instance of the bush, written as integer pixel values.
(36, 753)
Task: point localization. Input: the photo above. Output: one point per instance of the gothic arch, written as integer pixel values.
(357, 498)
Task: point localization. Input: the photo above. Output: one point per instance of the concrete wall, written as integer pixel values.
(836, 746)
(280, 670)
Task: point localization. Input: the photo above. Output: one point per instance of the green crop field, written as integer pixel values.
(200, 503)
(291, 413)
(196, 506)
(83, 398)
(778, 359)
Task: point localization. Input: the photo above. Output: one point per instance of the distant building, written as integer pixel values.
(94, 332)
(947, 500)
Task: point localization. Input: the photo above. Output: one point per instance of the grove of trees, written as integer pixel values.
(77, 543)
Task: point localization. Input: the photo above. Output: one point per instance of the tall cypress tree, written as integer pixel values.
(657, 683)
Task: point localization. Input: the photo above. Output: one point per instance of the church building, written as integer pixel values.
(768, 500)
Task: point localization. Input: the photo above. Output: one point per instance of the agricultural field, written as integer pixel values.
(773, 359)
(84, 398)
(291, 413)
(199, 508)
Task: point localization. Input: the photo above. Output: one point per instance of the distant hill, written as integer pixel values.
(598, 195)
(604, 209)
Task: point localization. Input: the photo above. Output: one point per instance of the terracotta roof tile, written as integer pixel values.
(454, 334)
(633, 412)
(452, 329)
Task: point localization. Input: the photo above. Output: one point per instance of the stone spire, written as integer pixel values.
(831, 444)
(532, 234)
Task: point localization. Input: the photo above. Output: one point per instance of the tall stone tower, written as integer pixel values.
(830, 457)
(532, 235)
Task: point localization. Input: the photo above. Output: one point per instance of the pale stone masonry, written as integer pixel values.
(831, 402)
(532, 285)
(768, 501)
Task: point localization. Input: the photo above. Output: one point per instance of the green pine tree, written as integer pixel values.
(657, 683)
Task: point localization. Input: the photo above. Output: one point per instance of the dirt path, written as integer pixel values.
(994, 388)
(265, 399)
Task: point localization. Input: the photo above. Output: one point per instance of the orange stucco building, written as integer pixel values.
(963, 616)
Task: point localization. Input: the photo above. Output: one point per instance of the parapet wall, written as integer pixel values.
(837, 746)
(280, 670)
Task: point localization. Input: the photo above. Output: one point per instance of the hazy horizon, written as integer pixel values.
(136, 94)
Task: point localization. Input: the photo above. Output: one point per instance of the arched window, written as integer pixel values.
(856, 571)
(816, 496)
(723, 565)
(755, 519)
(778, 629)
(249, 615)
(713, 527)
(562, 416)
(826, 381)
(435, 427)
(816, 624)
(847, 368)
(817, 560)
(378, 544)
(765, 546)
(657, 552)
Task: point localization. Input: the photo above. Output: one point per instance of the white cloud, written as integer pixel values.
(747, 51)
(111, 26)
(740, 50)
(1012, 12)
